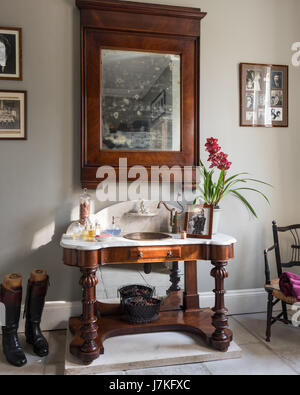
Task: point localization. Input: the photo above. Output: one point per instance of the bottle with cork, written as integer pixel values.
(88, 233)
(85, 207)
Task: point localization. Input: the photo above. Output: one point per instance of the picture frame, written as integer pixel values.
(263, 95)
(13, 115)
(199, 221)
(11, 53)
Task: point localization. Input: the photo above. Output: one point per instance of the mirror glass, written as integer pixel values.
(140, 101)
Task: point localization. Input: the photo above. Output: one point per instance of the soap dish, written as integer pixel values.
(136, 214)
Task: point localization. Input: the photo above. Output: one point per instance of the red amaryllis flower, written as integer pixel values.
(213, 190)
(212, 146)
(220, 161)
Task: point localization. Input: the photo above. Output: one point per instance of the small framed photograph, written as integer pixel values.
(13, 115)
(276, 97)
(277, 79)
(276, 114)
(10, 53)
(263, 95)
(198, 221)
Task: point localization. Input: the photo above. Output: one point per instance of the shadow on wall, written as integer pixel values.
(43, 251)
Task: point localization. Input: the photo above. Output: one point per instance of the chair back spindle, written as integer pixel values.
(295, 247)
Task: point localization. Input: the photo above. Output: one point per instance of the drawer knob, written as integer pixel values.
(170, 253)
(140, 254)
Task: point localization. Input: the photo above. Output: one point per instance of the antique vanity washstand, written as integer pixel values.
(140, 84)
(180, 309)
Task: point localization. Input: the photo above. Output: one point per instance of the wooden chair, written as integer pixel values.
(272, 286)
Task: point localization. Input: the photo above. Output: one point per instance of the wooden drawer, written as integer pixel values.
(154, 252)
(138, 254)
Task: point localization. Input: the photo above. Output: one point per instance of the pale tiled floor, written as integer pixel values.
(281, 356)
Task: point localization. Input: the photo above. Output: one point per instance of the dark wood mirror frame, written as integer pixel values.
(127, 25)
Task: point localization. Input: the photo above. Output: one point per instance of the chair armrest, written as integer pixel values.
(267, 267)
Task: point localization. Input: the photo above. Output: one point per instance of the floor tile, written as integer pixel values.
(256, 359)
(55, 369)
(35, 364)
(291, 358)
(57, 343)
(240, 334)
(284, 337)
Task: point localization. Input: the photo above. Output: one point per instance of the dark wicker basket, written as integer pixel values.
(139, 310)
(130, 291)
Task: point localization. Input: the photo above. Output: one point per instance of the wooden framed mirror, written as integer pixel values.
(140, 86)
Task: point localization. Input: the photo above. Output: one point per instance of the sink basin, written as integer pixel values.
(147, 236)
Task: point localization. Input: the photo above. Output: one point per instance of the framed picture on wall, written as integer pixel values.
(13, 115)
(263, 95)
(199, 220)
(10, 53)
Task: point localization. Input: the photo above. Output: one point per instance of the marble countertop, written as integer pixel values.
(67, 242)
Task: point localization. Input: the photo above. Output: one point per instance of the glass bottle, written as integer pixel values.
(92, 232)
(76, 230)
(97, 229)
(115, 229)
(116, 226)
(85, 206)
(86, 231)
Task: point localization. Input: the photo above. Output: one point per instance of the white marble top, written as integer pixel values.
(217, 239)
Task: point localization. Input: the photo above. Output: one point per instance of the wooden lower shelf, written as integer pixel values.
(197, 322)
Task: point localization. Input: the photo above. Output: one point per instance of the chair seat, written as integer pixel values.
(274, 287)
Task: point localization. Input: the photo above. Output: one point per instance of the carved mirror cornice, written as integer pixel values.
(140, 85)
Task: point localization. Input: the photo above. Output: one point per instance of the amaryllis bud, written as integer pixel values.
(212, 145)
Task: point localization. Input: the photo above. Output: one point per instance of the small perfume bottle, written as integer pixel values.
(115, 229)
(86, 230)
(92, 232)
(76, 230)
(97, 229)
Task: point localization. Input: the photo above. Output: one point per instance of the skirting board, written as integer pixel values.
(245, 301)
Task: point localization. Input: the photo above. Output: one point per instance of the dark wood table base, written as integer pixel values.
(180, 310)
(196, 322)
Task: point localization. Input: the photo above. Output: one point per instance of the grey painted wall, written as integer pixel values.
(39, 178)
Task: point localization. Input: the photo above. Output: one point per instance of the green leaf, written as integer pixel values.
(254, 190)
(232, 177)
(244, 201)
(261, 182)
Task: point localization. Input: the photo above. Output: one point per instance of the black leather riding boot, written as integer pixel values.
(12, 349)
(35, 300)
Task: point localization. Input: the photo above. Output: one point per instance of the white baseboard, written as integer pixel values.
(245, 301)
(55, 315)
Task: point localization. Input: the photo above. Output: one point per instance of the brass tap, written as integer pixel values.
(174, 221)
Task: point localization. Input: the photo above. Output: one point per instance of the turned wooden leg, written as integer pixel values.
(190, 296)
(89, 349)
(269, 316)
(174, 278)
(220, 339)
(285, 313)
